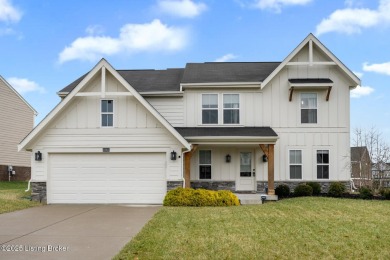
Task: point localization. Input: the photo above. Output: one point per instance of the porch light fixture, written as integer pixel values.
(38, 156)
(173, 155)
(228, 158)
(265, 158)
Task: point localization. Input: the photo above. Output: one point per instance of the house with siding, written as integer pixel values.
(16, 121)
(361, 166)
(129, 136)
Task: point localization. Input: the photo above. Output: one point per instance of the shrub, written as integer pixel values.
(200, 198)
(385, 193)
(365, 193)
(282, 190)
(303, 190)
(316, 188)
(336, 189)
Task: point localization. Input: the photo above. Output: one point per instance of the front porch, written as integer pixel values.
(239, 159)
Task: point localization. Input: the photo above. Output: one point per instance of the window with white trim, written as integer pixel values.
(107, 113)
(205, 164)
(231, 109)
(295, 158)
(322, 164)
(309, 108)
(209, 108)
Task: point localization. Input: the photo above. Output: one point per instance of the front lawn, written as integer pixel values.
(13, 197)
(299, 228)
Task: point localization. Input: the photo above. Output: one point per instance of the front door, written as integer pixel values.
(246, 178)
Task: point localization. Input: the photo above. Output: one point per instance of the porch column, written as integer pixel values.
(269, 152)
(187, 166)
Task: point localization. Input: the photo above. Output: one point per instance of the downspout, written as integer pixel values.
(28, 186)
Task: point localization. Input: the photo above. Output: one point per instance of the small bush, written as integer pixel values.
(303, 190)
(336, 189)
(282, 190)
(385, 193)
(200, 198)
(316, 188)
(365, 193)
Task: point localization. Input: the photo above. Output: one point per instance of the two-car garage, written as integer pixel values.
(133, 178)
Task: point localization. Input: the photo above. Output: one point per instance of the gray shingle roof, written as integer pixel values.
(226, 131)
(310, 80)
(357, 153)
(210, 72)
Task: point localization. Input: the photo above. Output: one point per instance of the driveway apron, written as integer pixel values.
(70, 231)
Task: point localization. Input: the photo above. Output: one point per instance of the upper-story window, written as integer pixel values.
(308, 108)
(231, 109)
(220, 109)
(107, 112)
(210, 109)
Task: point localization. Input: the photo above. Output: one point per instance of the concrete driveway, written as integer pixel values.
(70, 231)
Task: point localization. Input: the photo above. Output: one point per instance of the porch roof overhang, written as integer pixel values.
(310, 84)
(229, 135)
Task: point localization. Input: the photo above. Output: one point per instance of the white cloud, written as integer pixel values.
(153, 36)
(9, 13)
(277, 5)
(94, 29)
(353, 20)
(24, 85)
(359, 74)
(181, 8)
(361, 91)
(382, 68)
(226, 57)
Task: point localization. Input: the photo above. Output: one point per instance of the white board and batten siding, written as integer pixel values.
(16, 121)
(76, 135)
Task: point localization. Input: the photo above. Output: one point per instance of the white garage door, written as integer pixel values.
(136, 178)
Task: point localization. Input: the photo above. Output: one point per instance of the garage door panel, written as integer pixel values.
(107, 178)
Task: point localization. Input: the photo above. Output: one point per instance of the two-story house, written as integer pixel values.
(128, 136)
(16, 121)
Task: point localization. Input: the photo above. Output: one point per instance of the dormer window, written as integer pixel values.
(220, 109)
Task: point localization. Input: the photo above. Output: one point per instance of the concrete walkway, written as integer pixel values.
(70, 231)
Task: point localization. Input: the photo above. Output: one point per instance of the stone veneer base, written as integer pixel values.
(38, 191)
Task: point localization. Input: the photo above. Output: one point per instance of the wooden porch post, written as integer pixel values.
(187, 166)
(269, 152)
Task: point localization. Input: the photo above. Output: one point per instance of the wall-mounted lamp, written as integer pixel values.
(265, 158)
(173, 155)
(38, 156)
(228, 158)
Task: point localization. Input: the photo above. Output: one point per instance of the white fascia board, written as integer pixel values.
(233, 139)
(162, 94)
(351, 75)
(310, 85)
(20, 96)
(221, 84)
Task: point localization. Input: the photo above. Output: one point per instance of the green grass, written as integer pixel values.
(299, 228)
(13, 196)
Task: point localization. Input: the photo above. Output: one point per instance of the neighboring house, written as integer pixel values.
(128, 136)
(360, 166)
(381, 175)
(16, 121)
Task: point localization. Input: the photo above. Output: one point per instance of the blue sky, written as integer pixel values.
(45, 44)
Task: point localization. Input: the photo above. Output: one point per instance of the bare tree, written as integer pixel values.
(372, 138)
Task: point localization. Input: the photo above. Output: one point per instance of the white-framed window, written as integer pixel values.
(209, 108)
(107, 113)
(322, 164)
(205, 164)
(295, 164)
(309, 108)
(231, 108)
(220, 109)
